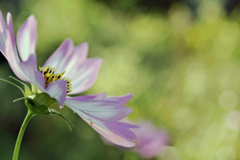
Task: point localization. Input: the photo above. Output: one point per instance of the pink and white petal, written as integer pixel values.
(60, 57)
(108, 134)
(30, 71)
(120, 100)
(27, 38)
(100, 110)
(3, 28)
(122, 129)
(85, 75)
(13, 59)
(57, 90)
(128, 125)
(82, 72)
(76, 59)
(11, 51)
(3, 25)
(3, 38)
(98, 97)
(109, 113)
(11, 30)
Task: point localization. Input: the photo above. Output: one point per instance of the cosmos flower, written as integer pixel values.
(151, 140)
(66, 72)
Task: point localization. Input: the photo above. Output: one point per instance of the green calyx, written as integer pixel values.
(38, 102)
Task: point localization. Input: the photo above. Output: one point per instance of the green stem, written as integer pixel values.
(20, 134)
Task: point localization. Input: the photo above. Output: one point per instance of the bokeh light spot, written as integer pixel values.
(225, 153)
(233, 120)
(228, 100)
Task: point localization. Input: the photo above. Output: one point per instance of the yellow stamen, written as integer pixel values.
(50, 76)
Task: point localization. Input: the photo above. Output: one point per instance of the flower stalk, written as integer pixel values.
(20, 134)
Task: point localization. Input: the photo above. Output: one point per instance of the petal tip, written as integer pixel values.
(32, 17)
(130, 110)
(129, 96)
(85, 44)
(99, 61)
(69, 40)
(9, 14)
(9, 17)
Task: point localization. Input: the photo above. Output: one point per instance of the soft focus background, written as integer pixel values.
(180, 58)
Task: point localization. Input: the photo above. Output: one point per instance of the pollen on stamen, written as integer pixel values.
(50, 76)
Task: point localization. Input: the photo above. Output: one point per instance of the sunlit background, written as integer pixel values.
(181, 59)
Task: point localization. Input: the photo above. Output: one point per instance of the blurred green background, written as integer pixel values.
(181, 59)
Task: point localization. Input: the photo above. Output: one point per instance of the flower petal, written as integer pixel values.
(10, 28)
(99, 96)
(3, 25)
(151, 140)
(27, 38)
(3, 28)
(103, 117)
(3, 38)
(121, 129)
(10, 52)
(100, 110)
(85, 75)
(120, 100)
(57, 90)
(60, 57)
(72, 59)
(110, 135)
(30, 71)
(67, 57)
(77, 57)
(13, 59)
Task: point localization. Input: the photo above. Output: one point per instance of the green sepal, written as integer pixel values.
(38, 110)
(68, 122)
(43, 99)
(44, 110)
(39, 103)
(22, 98)
(14, 85)
(27, 89)
(34, 89)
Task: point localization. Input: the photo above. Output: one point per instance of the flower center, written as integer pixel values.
(51, 76)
